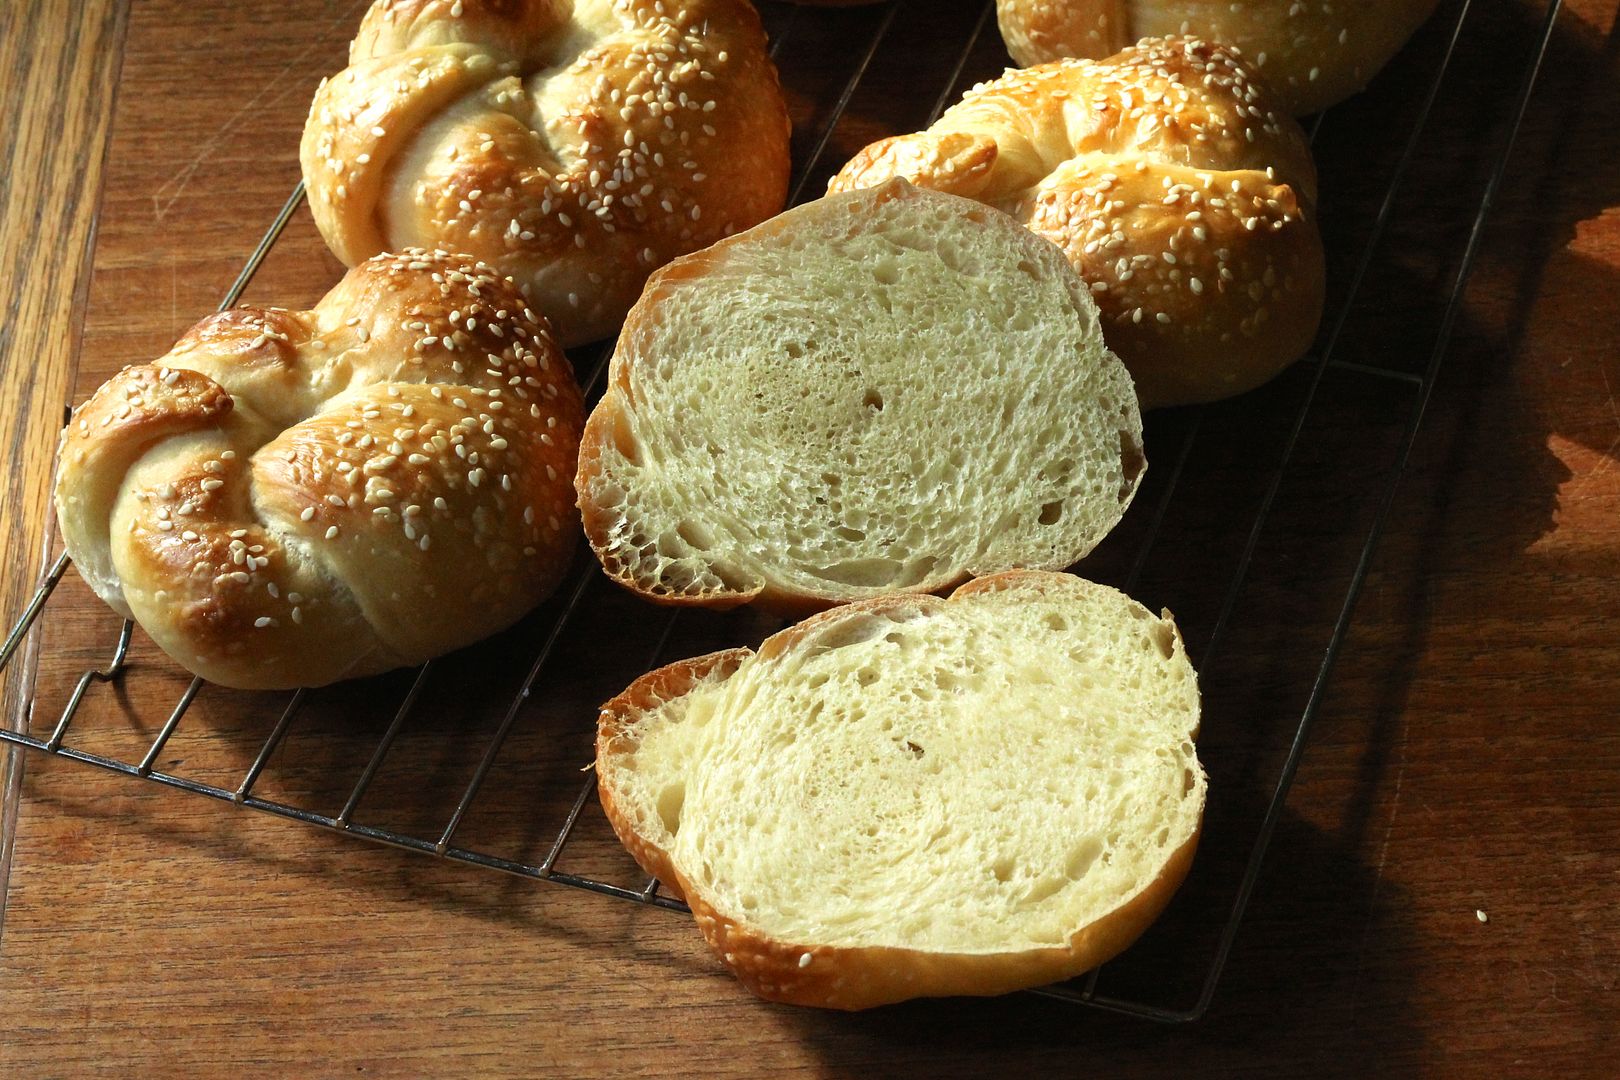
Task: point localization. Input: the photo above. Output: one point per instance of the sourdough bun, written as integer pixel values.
(1311, 53)
(575, 146)
(1182, 198)
(289, 498)
(911, 797)
(888, 390)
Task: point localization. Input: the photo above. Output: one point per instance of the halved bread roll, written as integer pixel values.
(890, 389)
(911, 796)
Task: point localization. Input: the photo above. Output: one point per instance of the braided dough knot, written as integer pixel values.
(1183, 200)
(1312, 53)
(294, 497)
(577, 146)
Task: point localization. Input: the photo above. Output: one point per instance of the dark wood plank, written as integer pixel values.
(59, 62)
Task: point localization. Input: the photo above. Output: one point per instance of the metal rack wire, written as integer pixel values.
(443, 843)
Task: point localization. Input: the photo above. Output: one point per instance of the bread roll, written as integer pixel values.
(887, 390)
(289, 498)
(575, 146)
(912, 797)
(1183, 200)
(1311, 53)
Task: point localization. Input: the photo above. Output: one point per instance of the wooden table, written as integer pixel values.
(1466, 759)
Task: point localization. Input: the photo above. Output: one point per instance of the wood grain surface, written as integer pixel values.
(1464, 760)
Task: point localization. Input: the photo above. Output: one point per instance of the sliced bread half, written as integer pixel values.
(890, 389)
(912, 796)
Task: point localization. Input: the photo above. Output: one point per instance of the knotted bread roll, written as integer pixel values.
(1184, 201)
(289, 498)
(576, 146)
(1312, 53)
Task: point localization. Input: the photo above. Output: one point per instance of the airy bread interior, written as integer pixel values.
(889, 389)
(988, 774)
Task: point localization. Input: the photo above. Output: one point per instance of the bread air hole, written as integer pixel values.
(1043, 889)
(873, 400)
(696, 534)
(624, 439)
(1082, 858)
(1052, 513)
(670, 801)
(1003, 869)
(867, 572)
(1164, 639)
(1132, 462)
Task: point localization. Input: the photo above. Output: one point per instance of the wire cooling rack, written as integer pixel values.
(1178, 446)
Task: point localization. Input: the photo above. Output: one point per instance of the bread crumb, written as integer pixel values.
(1481, 916)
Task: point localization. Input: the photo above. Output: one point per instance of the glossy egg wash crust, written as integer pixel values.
(1310, 53)
(576, 146)
(1183, 198)
(289, 498)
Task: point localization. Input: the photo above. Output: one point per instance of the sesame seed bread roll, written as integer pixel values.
(575, 145)
(289, 498)
(1311, 53)
(1183, 200)
(912, 797)
(887, 390)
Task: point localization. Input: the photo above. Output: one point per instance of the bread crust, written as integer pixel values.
(573, 148)
(1311, 53)
(616, 737)
(292, 498)
(1181, 198)
(837, 977)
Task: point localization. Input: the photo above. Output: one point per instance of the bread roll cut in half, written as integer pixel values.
(289, 498)
(1182, 198)
(573, 144)
(888, 390)
(1312, 53)
(912, 797)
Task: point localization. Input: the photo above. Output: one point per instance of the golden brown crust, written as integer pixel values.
(616, 738)
(1184, 202)
(291, 498)
(575, 149)
(1311, 53)
(836, 977)
(862, 978)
